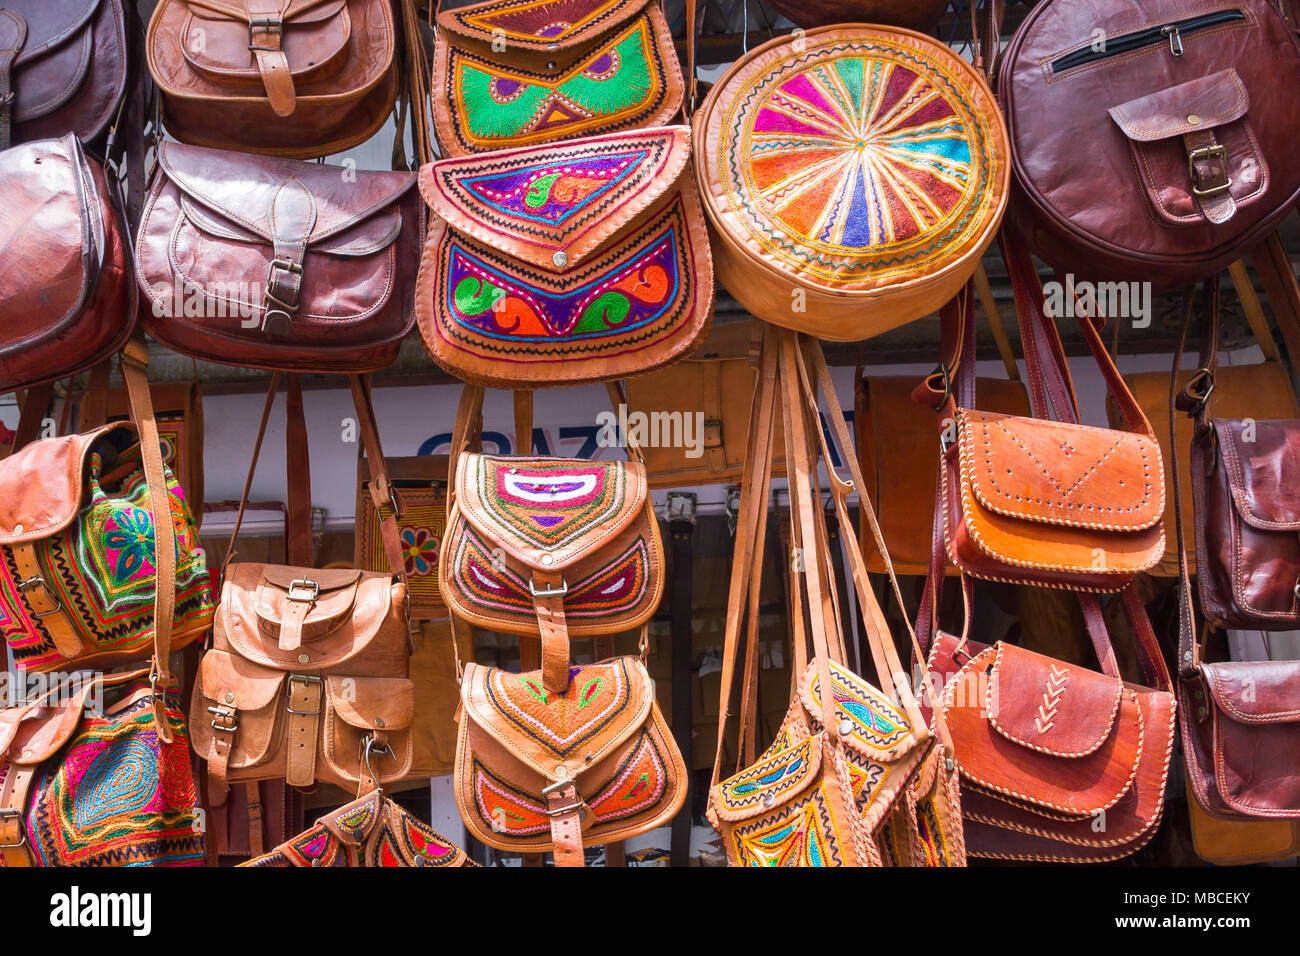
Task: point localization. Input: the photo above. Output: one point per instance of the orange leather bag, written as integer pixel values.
(805, 238)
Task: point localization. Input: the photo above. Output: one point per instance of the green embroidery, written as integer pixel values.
(535, 689)
(473, 296)
(589, 692)
(607, 312)
(540, 191)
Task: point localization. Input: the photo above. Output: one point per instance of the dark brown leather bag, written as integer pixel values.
(297, 78)
(1161, 155)
(62, 68)
(66, 296)
(278, 264)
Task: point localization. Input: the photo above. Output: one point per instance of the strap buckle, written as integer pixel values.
(228, 717)
(38, 581)
(306, 679)
(548, 591)
(15, 814)
(568, 807)
(304, 590)
(1217, 151)
(1200, 387)
(273, 25)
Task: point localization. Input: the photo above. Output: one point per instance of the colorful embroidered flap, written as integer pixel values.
(521, 73)
(549, 512)
(603, 706)
(1062, 474)
(779, 775)
(552, 206)
(875, 727)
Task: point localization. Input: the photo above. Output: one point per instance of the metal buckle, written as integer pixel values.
(273, 25)
(306, 679)
(22, 834)
(29, 583)
(285, 265)
(1208, 152)
(562, 590)
(1193, 387)
(568, 807)
(224, 714)
(305, 584)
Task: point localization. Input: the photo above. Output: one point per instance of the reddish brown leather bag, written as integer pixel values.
(62, 68)
(1161, 154)
(297, 78)
(66, 293)
(278, 264)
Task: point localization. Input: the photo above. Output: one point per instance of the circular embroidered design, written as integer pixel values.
(420, 550)
(604, 66)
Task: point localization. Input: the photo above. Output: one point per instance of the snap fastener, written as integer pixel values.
(846, 727)
(547, 559)
(1194, 119)
(230, 698)
(560, 259)
(18, 529)
(550, 65)
(315, 861)
(303, 658)
(949, 766)
(768, 798)
(379, 722)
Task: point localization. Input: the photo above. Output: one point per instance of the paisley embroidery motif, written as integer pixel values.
(562, 723)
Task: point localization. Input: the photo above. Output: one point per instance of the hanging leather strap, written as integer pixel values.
(266, 43)
(692, 78)
(13, 35)
(35, 409)
(299, 547)
(523, 422)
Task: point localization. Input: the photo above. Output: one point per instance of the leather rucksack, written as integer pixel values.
(295, 78)
(63, 66)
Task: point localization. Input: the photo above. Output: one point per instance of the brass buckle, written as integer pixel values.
(22, 834)
(1216, 151)
(568, 807)
(226, 715)
(38, 581)
(307, 585)
(562, 590)
(306, 679)
(273, 25)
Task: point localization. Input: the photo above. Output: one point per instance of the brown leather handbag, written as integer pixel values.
(295, 78)
(278, 264)
(1187, 110)
(62, 68)
(66, 292)
(575, 262)
(512, 73)
(569, 755)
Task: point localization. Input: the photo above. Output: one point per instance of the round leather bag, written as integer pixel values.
(1152, 140)
(854, 175)
(913, 14)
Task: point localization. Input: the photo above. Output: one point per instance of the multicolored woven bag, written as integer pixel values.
(77, 575)
(522, 72)
(577, 262)
(855, 175)
(422, 484)
(85, 789)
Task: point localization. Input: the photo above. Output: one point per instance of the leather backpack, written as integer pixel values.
(294, 78)
(804, 237)
(574, 262)
(512, 73)
(1187, 123)
(63, 68)
(278, 264)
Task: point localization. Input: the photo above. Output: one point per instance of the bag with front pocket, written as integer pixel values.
(510, 73)
(575, 262)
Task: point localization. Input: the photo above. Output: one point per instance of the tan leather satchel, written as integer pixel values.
(294, 78)
(569, 755)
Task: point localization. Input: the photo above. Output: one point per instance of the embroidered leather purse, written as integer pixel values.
(79, 788)
(576, 262)
(520, 73)
(809, 239)
(297, 78)
(422, 485)
(62, 68)
(278, 264)
(370, 831)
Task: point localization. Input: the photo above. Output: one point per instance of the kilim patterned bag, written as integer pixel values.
(422, 485)
(80, 789)
(576, 262)
(523, 72)
(370, 831)
(846, 752)
(565, 756)
(854, 175)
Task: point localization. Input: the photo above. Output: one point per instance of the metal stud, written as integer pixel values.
(768, 798)
(18, 529)
(230, 698)
(1194, 119)
(949, 766)
(547, 560)
(379, 722)
(303, 658)
(846, 727)
(561, 259)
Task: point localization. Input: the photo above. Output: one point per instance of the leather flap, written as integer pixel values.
(554, 205)
(364, 239)
(31, 734)
(226, 678)
(1202, 103)
(42, 485)
(603, 706)
(549, 512)
(1262, 460)
(546, 25)
(334, 590)
(353, 824)
(326, 579)
(56, 54)
(777, 777)
(372, 703)
(215, 41)
(243, 189)
(877, 729)
(1049, 705)
(1256, 692)
(298, 11)
(1062, 474)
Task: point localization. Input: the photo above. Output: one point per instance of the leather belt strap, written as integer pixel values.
(1207, 164)
(253, 796)
(715, 452)
(13, 804)
(565, 808)
(13, 34)
(549, 607)
(299, 547)
(523, 400)
(43, 603)
(266, 43)
(225, 724)
(295, 616)
(305, 695)
(292, 217)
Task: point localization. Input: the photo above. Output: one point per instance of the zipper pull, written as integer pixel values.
(1175, 40)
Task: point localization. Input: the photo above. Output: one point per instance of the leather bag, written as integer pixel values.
(370, 831)
(66, 295)
(512, 73)
(294, 78)
(178, 410)
(575, 262)
(1188, 120)
(62, 68)
(278, 264)
(421, 484)
(79, 788)
(567, 756)
(803, 240)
